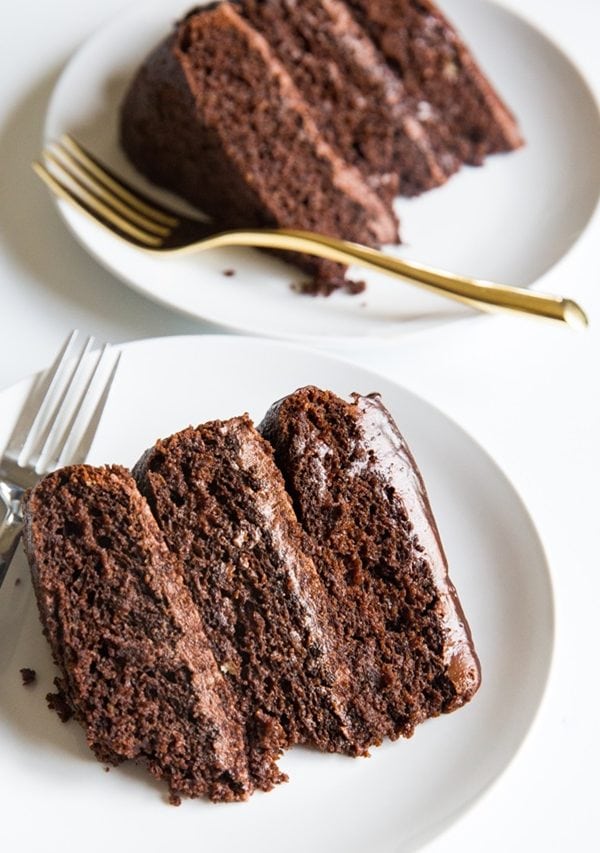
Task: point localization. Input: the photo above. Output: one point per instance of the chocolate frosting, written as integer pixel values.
(389, 454)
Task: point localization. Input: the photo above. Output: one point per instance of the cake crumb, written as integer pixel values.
(229, 273)
(28, 675)
(353, 287)
(17, 581)
(106, 769)
(58, 702)
(325, 285)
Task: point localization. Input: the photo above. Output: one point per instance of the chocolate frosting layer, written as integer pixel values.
(390, 456)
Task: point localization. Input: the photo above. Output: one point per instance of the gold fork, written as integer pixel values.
(74, 174)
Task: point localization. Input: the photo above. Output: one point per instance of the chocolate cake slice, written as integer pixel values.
(369, 527)
(463, 113)
(137, 670)
(215, 117)
(221, 504)
(359, 103)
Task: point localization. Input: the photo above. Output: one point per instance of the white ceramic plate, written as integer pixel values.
(509, 221)
(408, 791)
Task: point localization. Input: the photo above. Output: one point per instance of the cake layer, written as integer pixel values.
(359, 103)
(221, 504)
(460, 108)
(361, 501)
(214, 116)
(137, 670)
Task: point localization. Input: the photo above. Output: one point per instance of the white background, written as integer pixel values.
(528, 392)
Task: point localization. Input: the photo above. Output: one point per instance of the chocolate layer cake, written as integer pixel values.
(464, 114)
(214, 116)
(369, 527)
(311, 115)
(216, 609)
(221, 504)
(136, 667)
(359, 103)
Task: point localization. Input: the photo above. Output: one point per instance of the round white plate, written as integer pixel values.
(509, 221)
(408, 791)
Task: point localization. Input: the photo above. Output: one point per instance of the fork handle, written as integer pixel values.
(11, 525)
(483, 295)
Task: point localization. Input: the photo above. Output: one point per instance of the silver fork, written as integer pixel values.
(56, 426)
(75, 175)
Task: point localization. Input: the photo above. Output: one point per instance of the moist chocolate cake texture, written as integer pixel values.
(311, 115)
(466, 118)
(242, 593)
(221, 504)
(360, 498)
(359, 104)
(136, 668)
(214, 116)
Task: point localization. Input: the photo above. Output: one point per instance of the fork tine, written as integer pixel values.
(58, 156)
(103, 174)
(81, 451)
(45, 438)
(106, 205)
(93, 380)
(41, 393)
(86, 203)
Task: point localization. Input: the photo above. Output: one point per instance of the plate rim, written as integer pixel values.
(71, 217)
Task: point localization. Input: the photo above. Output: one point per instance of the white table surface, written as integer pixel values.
(528, 392)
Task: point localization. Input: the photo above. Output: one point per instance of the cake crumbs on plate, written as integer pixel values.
(28, 675)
